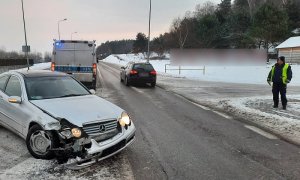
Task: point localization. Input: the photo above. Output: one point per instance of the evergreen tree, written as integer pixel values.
(140, 43)
(293, 11)
(270, 25)
(208, 31)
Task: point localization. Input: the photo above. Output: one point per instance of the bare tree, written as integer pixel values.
(180, 30)
(206, 9)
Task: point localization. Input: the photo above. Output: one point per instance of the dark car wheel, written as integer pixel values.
(121, 78)
(39, 142)
(153, 84)
(126, 82)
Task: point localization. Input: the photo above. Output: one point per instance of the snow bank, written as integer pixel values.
(231, 74)
(39, 66)
(259, 110)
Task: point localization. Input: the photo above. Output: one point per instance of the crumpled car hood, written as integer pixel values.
(80, 109)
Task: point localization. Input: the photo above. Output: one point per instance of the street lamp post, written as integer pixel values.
(58, 26)
(150, 8)
(72, 35)
(26, 46)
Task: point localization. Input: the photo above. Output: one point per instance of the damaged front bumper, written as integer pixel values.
(104, 149)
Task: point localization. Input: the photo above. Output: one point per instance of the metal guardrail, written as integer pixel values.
(182, 69)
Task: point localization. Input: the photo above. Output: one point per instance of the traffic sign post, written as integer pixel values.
(26, 49)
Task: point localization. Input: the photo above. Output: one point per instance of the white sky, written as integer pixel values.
(99, 20)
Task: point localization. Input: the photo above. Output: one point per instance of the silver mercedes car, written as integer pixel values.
(59, 118)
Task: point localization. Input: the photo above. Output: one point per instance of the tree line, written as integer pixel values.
(35, 56)
(230, 24)
(114, 47)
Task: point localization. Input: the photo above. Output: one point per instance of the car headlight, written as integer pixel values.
(76, 132)
(124, 119)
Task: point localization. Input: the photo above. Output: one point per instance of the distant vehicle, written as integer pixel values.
(77, 58)
(138, 73)
(60, 118)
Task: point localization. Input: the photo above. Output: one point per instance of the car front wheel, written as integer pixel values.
(126, 82)
(39, 143)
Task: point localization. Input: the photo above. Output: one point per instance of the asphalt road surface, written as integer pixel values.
(177, 139)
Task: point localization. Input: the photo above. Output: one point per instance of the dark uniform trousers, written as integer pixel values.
(279, 88)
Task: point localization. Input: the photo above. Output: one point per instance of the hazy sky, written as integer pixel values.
(99, 20)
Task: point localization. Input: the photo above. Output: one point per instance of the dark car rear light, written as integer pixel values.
(133, 72)
(153, 72)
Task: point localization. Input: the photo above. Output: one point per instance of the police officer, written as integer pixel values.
(280, 74)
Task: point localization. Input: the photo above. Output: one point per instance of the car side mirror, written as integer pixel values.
(92, 91)
(15, 99)
(122, 67)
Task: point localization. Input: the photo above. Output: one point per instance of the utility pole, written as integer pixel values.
(26, 49)
(148, 57)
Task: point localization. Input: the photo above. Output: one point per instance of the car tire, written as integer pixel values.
(39, 142)
(153, 84)
(126, 82)
(121, 80)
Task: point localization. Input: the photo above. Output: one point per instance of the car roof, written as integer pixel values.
(141, 63)
(39, 73)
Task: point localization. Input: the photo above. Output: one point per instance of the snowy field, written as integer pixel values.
(39, 66)
(231, 74)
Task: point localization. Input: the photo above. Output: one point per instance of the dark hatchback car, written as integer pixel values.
(138, 73)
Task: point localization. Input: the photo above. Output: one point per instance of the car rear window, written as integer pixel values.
(145, 67)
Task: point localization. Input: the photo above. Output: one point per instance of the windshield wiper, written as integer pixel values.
(71, 95)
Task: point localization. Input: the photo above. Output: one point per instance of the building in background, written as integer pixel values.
(290, 49)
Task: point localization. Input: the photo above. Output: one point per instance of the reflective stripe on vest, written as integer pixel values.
(284, 73)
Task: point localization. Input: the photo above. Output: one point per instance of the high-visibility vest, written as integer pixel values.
(284, 73)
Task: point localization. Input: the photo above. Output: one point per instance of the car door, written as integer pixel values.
(3, 81)
(14, 113)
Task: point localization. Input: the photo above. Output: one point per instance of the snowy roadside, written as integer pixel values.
(259, 110)
(39, 66)
(250, 102)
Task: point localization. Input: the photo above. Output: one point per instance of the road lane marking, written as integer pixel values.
(100, 78)
(222, 114)
(203, 107)
(261, 132)
(138, 90)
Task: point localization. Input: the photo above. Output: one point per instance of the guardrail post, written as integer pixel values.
(204, 70)
(179, 70)
(165, 68)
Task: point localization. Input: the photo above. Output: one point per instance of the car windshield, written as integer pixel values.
(53, 87)
(145, 67)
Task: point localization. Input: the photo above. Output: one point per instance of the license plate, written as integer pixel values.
(144, 74)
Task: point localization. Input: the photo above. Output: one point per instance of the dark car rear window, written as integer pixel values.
(145, 67)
